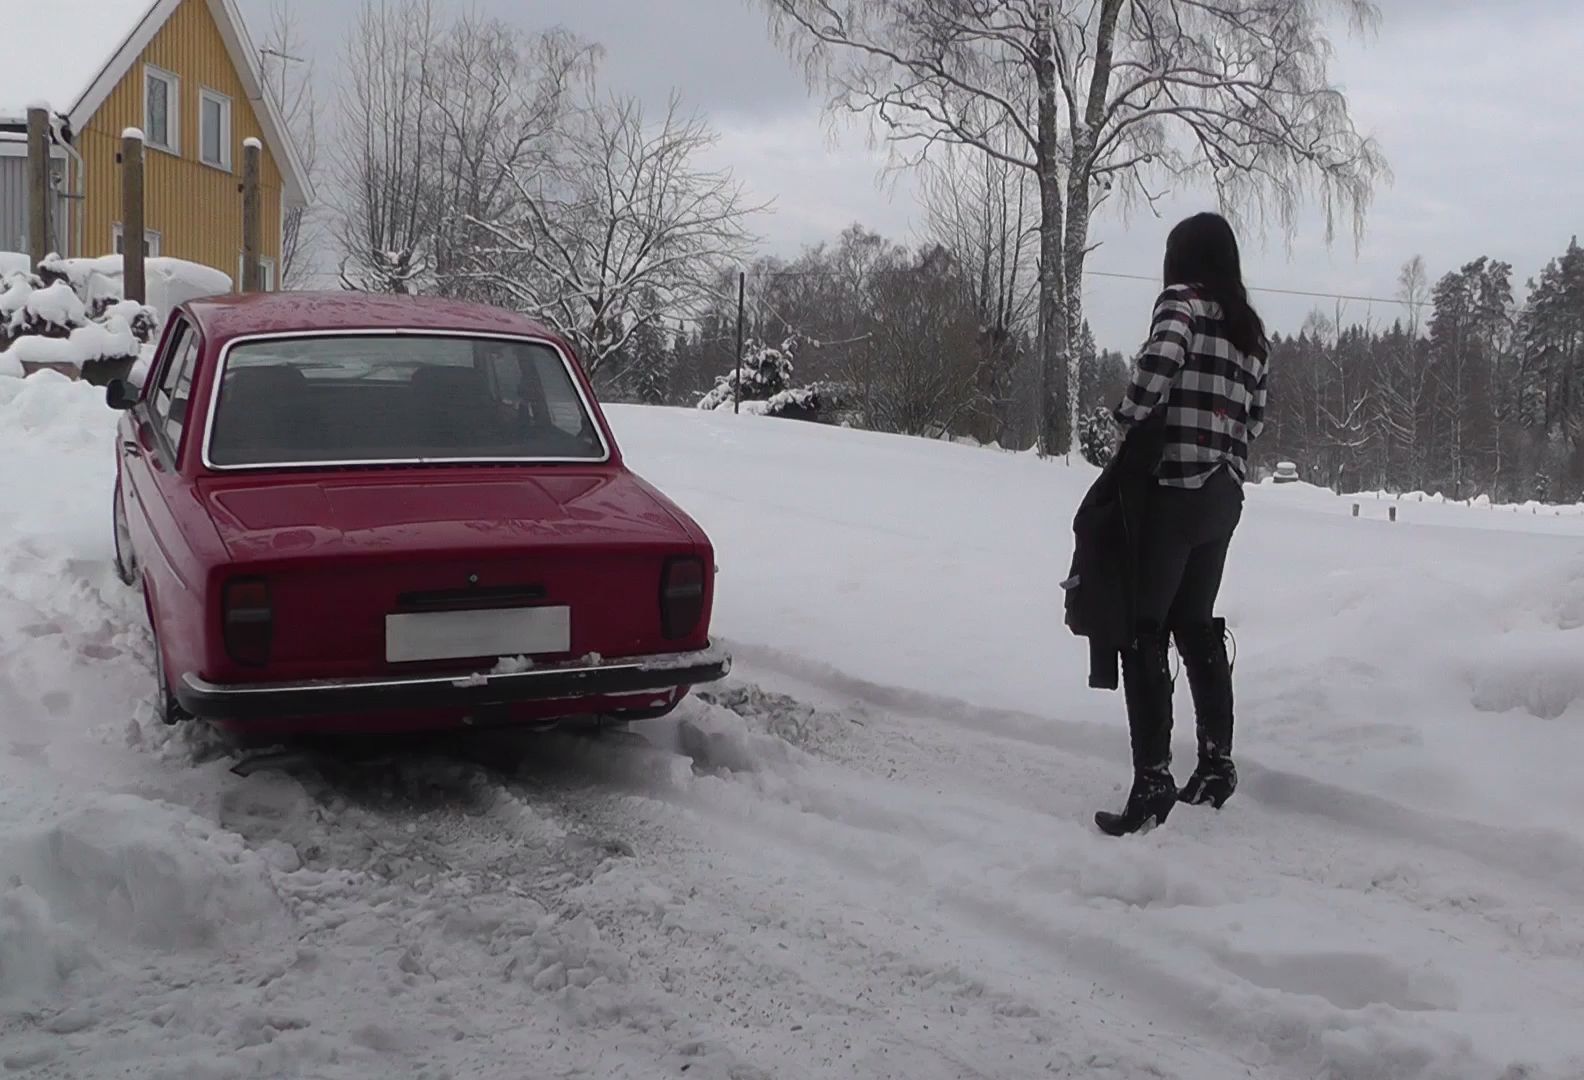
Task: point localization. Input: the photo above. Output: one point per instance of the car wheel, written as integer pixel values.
(125, 564)
(166, 707)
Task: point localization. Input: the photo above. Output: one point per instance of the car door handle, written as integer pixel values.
(131, 447)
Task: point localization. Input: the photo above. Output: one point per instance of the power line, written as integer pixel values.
(1284, 292)
(1152, 278)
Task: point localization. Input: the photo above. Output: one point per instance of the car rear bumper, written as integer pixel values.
(240, 702)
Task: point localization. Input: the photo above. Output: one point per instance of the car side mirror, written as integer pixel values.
(121, 395)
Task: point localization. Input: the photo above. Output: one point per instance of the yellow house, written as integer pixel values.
(185, 73)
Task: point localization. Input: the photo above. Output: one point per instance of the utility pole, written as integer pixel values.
(742, 288)
(134, 282)
(252, 217)
(39, 193)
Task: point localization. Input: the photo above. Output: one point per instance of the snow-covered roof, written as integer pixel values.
(54, 52)
(71, 54)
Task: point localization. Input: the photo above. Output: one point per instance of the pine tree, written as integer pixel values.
(650, 364)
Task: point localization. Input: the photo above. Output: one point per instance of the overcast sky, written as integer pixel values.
(1477, 103)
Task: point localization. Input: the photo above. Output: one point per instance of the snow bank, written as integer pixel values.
(1478, 502)
(125, 869)
(81, 318)
(111, 340)
(69, 315)
(37, 951)
(169, 281)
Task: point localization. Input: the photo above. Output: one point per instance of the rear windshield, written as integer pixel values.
(387, 399)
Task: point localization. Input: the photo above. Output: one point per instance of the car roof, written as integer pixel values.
(221, 318)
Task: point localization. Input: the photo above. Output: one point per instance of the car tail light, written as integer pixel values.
(249, 621)
(681, 597)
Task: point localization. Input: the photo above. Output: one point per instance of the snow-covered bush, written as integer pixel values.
(67, 315)
(1097, 437)
(766, 388)
(766, 372)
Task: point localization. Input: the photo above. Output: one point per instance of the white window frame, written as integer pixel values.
(172, 83)
(151, 239)
(205, 96)
(266, 264)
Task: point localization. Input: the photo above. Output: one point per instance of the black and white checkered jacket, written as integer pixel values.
(1213, 394)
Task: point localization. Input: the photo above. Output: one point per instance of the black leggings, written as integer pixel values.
(1186, 536)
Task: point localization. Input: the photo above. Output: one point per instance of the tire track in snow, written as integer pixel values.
(1547, 857)
(1007, 768)
(1276, 990)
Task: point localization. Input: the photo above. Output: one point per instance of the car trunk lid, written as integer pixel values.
(369, 573)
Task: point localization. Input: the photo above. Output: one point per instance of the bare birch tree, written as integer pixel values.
(388, 216)
(1103, 98)
(498, 104)
(1413, 289)
(622, 228)
(289, 80)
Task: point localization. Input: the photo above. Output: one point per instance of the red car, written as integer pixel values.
(356, 513)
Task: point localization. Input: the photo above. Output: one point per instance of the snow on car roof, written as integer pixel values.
(225, 317)
(51, 53)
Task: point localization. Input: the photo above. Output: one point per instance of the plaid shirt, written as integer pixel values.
(1213, 394)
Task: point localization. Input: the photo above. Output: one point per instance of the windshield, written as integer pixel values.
(384, 398)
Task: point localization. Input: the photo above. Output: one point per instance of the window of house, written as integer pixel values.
(151, 242)
(161, 109)
(266, 273)
(214, 123)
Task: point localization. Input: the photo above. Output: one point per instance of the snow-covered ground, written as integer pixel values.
(869, 854)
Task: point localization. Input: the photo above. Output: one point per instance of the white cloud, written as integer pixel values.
(821, 178)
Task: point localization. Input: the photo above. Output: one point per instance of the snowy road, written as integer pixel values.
(866, 855)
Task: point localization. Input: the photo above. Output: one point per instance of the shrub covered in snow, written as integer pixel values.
(766, 388)
(67, 314)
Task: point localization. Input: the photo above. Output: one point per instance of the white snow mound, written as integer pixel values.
(146, 873)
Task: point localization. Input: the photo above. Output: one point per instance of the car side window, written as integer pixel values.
(564, 410)
(172, 397)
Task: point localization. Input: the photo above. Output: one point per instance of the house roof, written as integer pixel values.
(70, 55)
(225, 317)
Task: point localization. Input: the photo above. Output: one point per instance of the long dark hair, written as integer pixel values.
(1202, 250)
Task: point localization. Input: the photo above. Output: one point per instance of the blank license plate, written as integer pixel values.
(454, 635)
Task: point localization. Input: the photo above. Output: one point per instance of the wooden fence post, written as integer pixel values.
(39, 194)
(134, 279)
(252, 217)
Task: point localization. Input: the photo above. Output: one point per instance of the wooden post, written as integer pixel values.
(1355, 509)
(39, 194)
(1392, 511)
(134, 280)
(252, 217)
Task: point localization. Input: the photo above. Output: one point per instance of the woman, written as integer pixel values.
(1203, 370)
